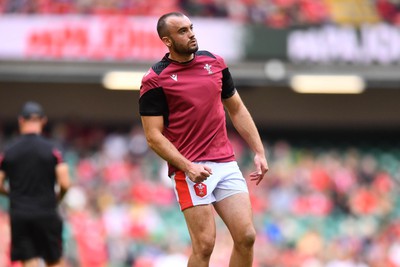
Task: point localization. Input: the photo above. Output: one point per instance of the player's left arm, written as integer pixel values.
(244, 124)
(62, 174)
(3, 189)
(63, 179)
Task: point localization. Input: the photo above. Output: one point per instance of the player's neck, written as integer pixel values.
(180, 58)
(31, 128)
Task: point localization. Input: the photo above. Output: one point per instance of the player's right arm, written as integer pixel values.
(153, 127)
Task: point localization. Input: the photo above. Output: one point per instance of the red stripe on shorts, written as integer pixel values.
(185, 201)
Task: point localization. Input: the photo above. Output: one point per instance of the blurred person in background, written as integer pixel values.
(33, 166)
(181, 104)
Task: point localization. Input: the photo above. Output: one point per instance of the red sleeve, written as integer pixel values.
(57, 154)
(149, 81)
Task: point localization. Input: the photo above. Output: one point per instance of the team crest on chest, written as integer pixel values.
(208, 68)
(200, 189)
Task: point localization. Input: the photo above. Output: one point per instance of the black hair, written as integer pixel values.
(162, 22)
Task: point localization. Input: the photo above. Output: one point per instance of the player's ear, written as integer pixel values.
(20, 121)
(167, 41)
(44, 121)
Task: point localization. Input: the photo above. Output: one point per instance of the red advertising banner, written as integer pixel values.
(103, 38)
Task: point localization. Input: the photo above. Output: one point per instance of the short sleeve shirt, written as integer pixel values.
(189, 97)
(29, 164)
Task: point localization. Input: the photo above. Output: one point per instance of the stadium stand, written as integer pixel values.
(274, 13)
(323, 202)
(326, 202)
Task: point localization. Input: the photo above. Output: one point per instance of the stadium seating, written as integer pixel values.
(319, 200)
(273, 13)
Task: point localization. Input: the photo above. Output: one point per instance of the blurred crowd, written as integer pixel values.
(273, 13)
(321, 204)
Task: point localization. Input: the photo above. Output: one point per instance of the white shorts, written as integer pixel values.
(226, 180)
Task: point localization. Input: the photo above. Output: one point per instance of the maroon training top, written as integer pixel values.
(188, 95)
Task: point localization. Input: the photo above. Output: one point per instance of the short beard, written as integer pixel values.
(193, 50)
(184, 51)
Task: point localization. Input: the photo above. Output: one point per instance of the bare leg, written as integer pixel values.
(201, 225)
(236, 212)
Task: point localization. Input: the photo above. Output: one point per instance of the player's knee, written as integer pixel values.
(204, 247)
(246, 239)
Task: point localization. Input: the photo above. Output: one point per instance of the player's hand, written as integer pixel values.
(261, 168)
(198, 173)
